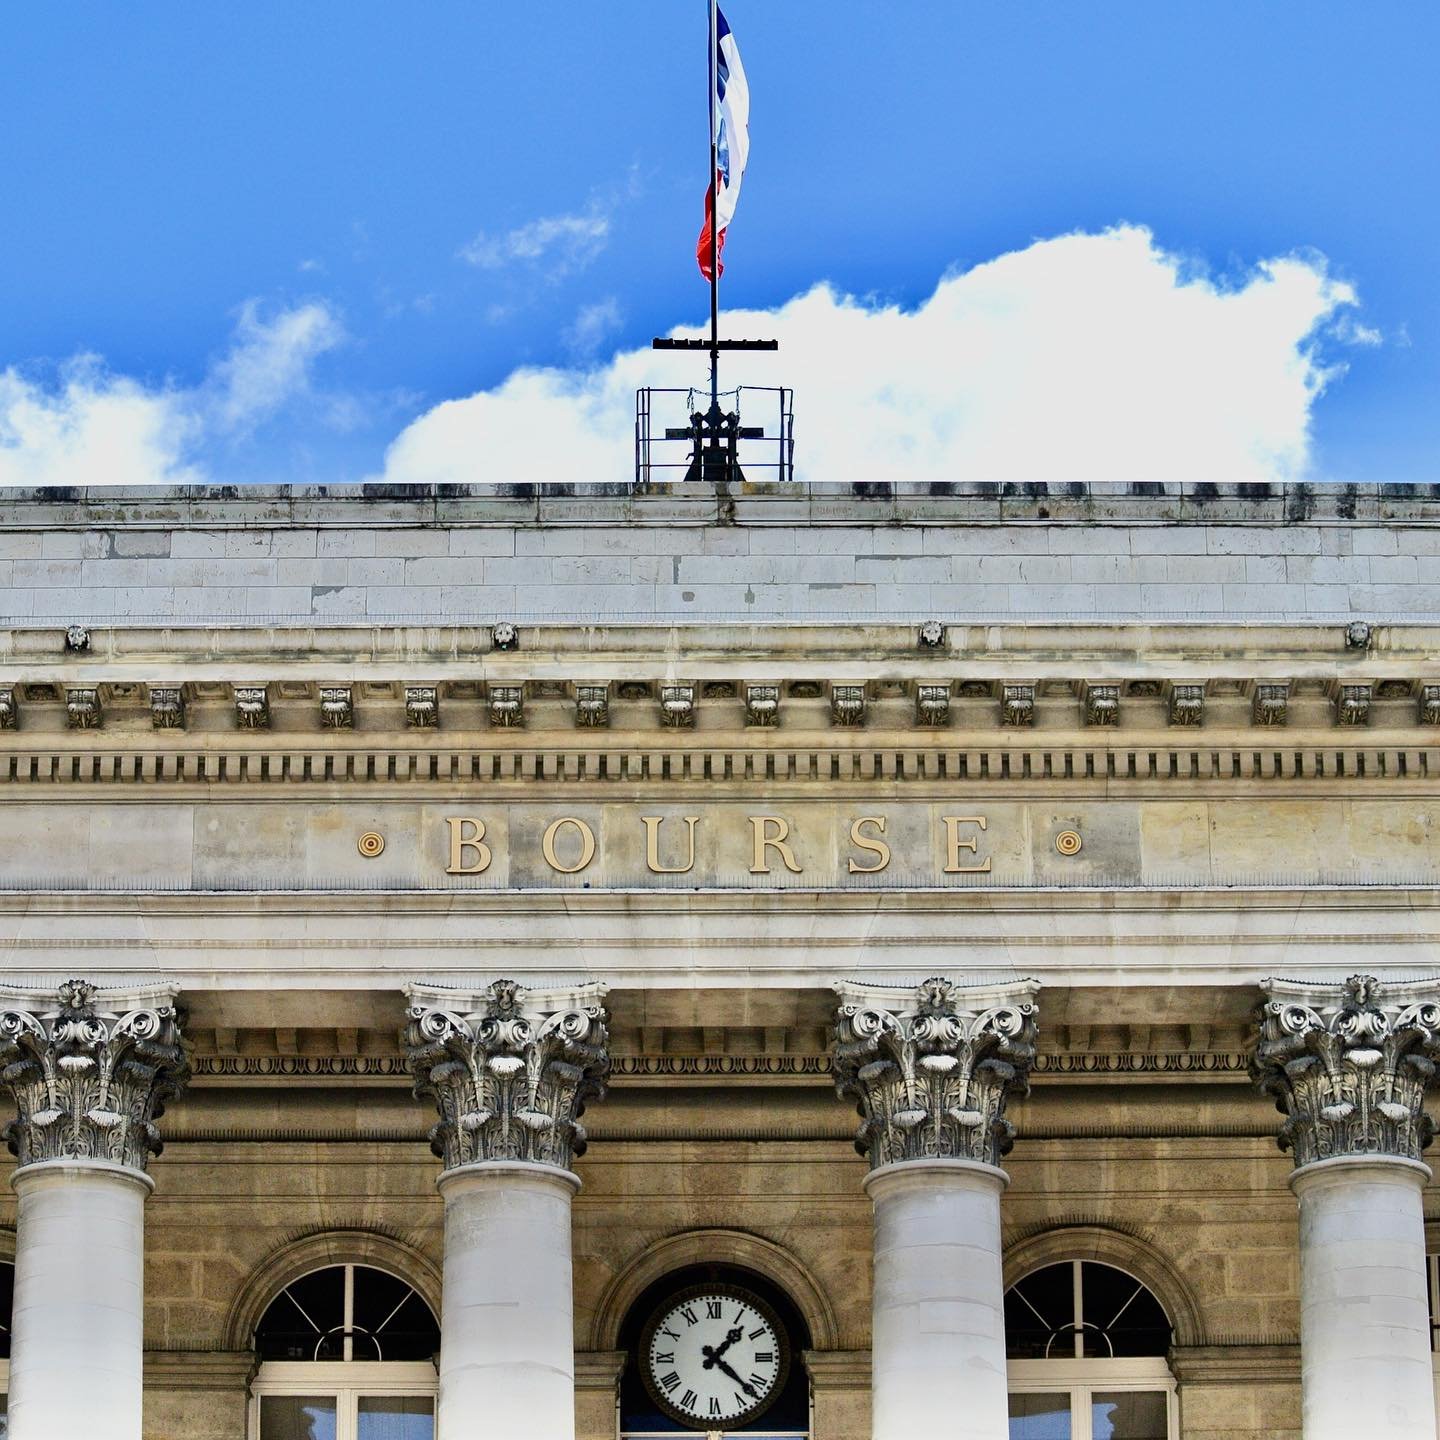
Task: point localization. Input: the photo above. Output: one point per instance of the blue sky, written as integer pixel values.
(424, 198)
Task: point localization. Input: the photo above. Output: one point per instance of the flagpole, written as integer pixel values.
(714, 209)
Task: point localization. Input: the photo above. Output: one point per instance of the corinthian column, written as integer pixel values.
(930, 1071)
(90, 1072)
(1348, 1066)
(509, 1071)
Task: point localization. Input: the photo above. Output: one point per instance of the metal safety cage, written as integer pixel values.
(681, 436)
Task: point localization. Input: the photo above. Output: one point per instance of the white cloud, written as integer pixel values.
(592, 326)
(565, 242)
(268, 363)
(1086, 357)
(92, 428)
(88, 426)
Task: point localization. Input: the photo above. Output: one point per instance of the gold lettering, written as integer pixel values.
(873, 844)
(955, 844)
(652, 825)
(760, 826)
(587, 845)
(462, 841)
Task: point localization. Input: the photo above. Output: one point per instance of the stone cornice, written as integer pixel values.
(832, 1370)
(227, 1370)
(816, 503)
(982, 684)
(1259, 1361)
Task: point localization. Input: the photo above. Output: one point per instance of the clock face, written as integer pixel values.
(714, 1355)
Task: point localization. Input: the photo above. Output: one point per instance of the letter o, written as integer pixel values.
(587, 845)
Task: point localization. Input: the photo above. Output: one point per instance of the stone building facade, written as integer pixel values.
(797, 962)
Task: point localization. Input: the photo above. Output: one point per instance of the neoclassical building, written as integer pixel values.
(578, 964)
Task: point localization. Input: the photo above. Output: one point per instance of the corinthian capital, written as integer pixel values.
(90, 1071)
(1348, 1065)
(509, 1070)
(930, 1069)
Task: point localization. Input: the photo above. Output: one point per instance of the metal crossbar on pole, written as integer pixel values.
(714, 435)
(714, 103)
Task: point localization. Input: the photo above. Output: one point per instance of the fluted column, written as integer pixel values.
(1348, 1066)
(509, 1071)
(90, 1072)
(931, 1070)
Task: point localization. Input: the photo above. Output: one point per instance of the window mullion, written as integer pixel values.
(1082, 1425)
(349, 1350)
(1078, 1287)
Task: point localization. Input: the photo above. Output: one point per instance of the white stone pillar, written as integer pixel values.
(90, 1075)
(78, 1323)
(1348, 1065)
(931, 1070)
(938, 1332)
(1364, 1315)
(507, 1349)
(509, 1071)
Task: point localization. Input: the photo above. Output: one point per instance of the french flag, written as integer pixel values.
(732, 144)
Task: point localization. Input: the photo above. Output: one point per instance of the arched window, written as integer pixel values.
(1087, 1345)
(347, 1353)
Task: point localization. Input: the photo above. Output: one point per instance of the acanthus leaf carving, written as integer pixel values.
(1348, 1065)
(509, 1071)
(90, 1076)
(931, 1071)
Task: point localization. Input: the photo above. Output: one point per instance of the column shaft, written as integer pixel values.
(938, 1335)
(507, 1347)
(1364, 1317)
(78, 1328)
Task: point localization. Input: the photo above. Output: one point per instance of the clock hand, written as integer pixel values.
(712, 1354)
(743, 1384)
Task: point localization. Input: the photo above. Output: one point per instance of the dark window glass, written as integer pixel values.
(297, 1417)
(405, 1330)
(1040, 1417)
(308, 1319)
(396, 1417)
(1129, 1415)
(1117, 1316)
(1121, 1311)
(1039, 1309)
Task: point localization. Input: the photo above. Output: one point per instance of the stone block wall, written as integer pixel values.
(801, 553)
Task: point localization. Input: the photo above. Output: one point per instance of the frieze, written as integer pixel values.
(500, 840)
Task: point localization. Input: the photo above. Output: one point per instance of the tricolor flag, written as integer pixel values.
(732, 142)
